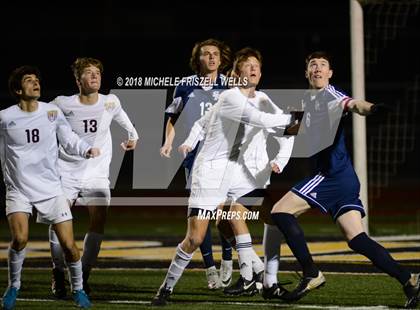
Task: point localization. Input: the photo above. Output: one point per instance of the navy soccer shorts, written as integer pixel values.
(336, 194)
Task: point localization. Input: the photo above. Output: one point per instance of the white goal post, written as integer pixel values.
(358, 91)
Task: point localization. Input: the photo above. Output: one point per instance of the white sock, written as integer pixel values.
(272, 242)
(178, 264)
(15, 262)
(57, 254)
(91, 247)
(245, 255)
(75, 275)
(257, 263)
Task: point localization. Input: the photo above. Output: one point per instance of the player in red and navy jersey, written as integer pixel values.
(333, 186)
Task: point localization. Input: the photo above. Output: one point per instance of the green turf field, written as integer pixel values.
(133, 289)
(155, 223)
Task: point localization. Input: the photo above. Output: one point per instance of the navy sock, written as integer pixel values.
(379, 256)
(226, 248)
(295, 239)
(206, 249)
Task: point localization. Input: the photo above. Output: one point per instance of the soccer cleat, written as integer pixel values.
(412, 291)
(86, 286)
(162, 296)
(9, 298)
(226, 267)
(259, 279)
(58, 287)
(212, 278)
(276, 291)
(306, 284)
(242, 287)
(81, 299)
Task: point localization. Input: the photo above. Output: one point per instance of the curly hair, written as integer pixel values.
(15, 78)
(83, 62)
(225, 54)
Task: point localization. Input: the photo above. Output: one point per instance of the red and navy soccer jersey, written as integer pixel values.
(333, 186)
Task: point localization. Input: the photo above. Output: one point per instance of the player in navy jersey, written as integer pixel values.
(194, 96)
(333, 186)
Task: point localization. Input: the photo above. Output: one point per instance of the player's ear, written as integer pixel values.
(306, 74)
(330, 73)
(19, 92)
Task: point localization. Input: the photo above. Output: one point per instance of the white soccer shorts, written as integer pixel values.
(214, 182)
(88, 192)
(50, 211)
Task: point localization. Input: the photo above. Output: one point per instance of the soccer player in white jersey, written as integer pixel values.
(258, 166)
(90, 115)
(28, 151)
(208, 60)
(217, 173)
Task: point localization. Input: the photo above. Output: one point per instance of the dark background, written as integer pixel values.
(155, 39)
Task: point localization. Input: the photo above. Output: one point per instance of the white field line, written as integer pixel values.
(251, 304)
(202, 270)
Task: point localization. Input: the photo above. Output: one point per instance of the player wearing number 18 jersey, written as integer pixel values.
(90, 115)
(28, 151)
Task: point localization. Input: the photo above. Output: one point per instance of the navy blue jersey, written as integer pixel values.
(324, 130)
(334, 186)
(193, 101)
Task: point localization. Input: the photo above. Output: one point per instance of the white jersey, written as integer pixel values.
(29, 150)
(92, 123)
(224, 136)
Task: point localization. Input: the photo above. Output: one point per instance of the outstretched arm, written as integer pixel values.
(358, 106)
(235, 106)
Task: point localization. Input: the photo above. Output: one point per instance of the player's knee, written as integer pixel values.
(70, 249)
(237, 221)
(193, 242)
(19, 242)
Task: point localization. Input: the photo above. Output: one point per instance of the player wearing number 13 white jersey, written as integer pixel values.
(92, 123)
(90, 115)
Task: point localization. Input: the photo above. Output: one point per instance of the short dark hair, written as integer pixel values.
(225, 54)
(242, 55)
(15, 78)
(319, 54)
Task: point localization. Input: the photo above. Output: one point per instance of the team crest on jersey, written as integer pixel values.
(216, 95)
(52, 115)
(109, 105)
